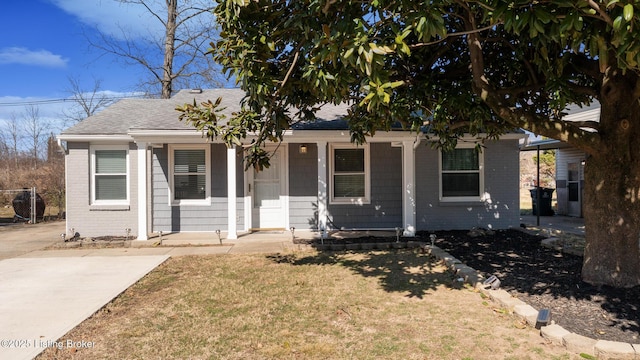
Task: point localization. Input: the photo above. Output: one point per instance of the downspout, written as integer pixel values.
(417, 141)
(59, 141)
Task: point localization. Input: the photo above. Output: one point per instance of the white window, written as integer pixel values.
(190, 178)
(461, 174)
(349, 177)
(110, 175)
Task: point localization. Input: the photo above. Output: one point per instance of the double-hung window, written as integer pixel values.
(190, 178)
(110, 175)
(461, 174)
(349, 176)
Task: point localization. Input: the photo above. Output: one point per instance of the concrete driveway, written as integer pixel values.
(19, 239)
(42, 298)
(46, 293)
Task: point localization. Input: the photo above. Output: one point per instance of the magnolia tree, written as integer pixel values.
(455, 66)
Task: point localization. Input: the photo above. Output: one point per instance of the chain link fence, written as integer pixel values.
(27, 204)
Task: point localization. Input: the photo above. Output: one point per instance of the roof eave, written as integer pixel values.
(107, 138)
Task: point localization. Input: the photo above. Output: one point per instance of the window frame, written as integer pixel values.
(127, 175)
(171, 181)
(479, 171)
(366, 199)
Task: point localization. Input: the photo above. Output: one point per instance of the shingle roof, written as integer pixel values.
(160, 114)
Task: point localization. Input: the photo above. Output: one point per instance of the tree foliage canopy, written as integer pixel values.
(455, 67)
(478, 67)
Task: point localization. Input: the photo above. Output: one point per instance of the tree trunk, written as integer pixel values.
(169, 49)
(612, 188)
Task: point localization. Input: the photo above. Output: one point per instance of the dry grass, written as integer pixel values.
(526, 205)
(7, 213)
(304, 305)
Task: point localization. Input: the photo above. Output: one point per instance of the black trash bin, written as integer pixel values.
(22, 206)
(545, 201)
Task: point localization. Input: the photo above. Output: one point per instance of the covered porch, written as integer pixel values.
(242, 217)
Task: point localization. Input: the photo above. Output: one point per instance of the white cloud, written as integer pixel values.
(113, 17)
(20, 55)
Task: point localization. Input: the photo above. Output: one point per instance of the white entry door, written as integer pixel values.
(268, 193)
(574, 203)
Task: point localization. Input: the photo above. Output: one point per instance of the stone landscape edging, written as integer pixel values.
(556, 334)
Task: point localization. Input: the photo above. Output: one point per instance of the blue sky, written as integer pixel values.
(44, 43)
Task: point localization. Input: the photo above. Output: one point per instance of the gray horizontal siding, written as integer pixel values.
(303, 212)
(303, 187)
(385, 209)
(188, 217)
(501, 182)
(90, 220)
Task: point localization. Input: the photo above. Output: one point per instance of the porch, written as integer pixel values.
(266, 239)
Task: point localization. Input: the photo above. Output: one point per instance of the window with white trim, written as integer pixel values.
(461, 174)
(190, 178)
(110, 175)
(350, 174)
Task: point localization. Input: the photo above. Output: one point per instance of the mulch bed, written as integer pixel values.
(547, 278)
(544, 278)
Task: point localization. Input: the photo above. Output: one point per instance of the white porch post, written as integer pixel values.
(143, 229)
(232, 231)
(322, 188)
(408, 189)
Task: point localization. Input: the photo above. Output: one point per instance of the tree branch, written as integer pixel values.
(519, 117)
(288, 74)
(603, 14)
(585, 124)
(458, 33)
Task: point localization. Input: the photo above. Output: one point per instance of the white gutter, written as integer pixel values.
(95, 138)
(188, 136)
(171, 136)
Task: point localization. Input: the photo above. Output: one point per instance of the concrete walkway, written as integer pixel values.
(557, 223)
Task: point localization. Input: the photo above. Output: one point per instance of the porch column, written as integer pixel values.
(143, 229)
(322, 188)
(408, 189)
(232, 231)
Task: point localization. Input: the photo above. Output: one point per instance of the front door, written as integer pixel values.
(574, 207)
(268, 191)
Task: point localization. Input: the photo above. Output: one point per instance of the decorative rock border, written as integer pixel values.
(382, 245)
(556, 334)
(551, 243)
(91, 244)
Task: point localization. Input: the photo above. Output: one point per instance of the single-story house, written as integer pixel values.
(134, 167)
(569, 162)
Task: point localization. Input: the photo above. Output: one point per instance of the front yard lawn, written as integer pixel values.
(304, 305)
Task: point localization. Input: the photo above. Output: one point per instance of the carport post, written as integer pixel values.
(538, 189)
